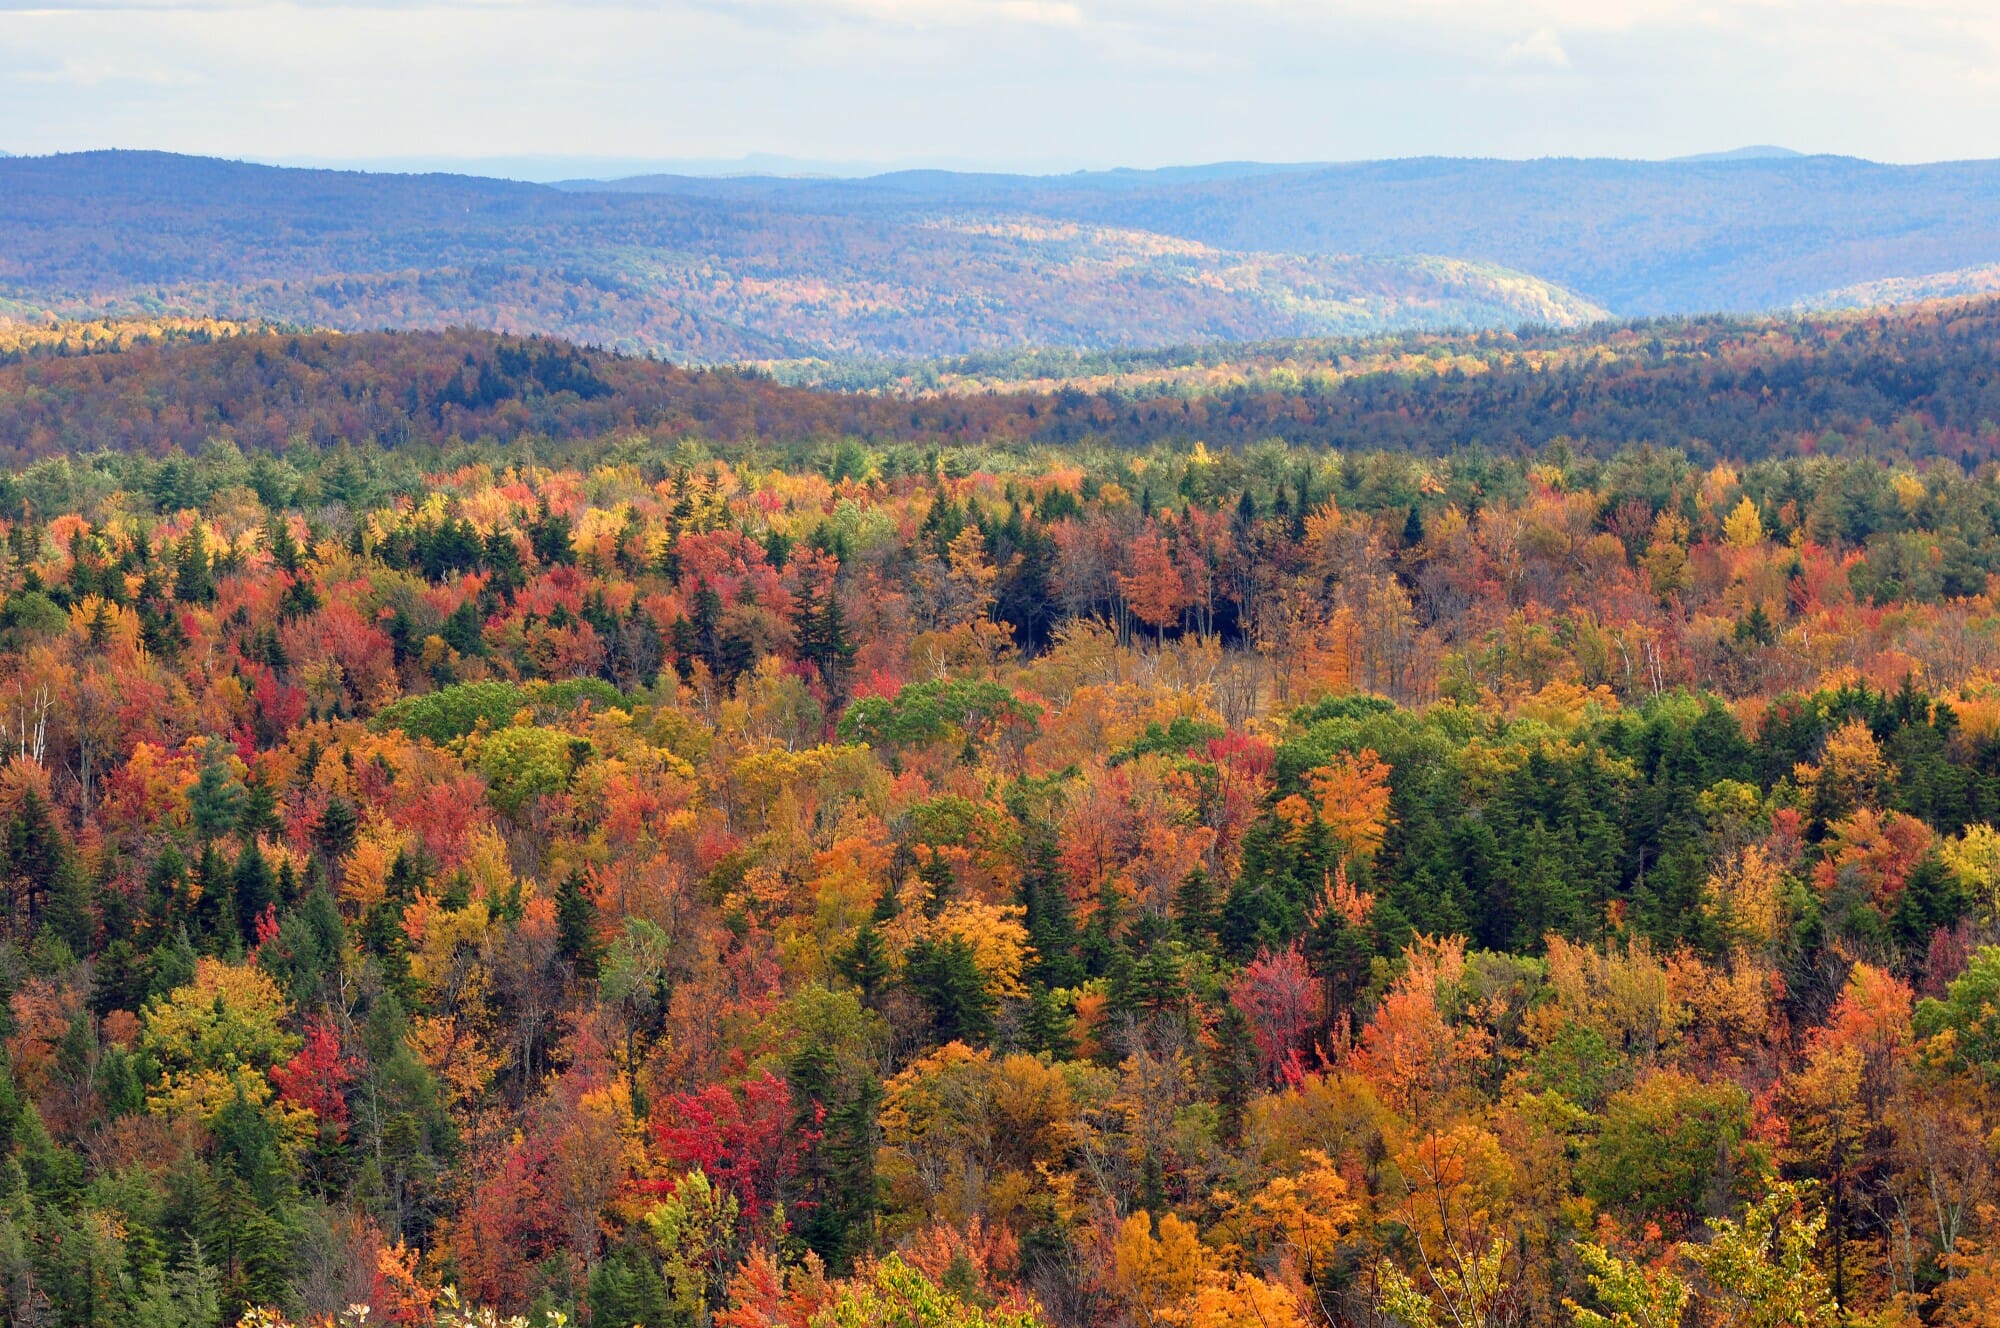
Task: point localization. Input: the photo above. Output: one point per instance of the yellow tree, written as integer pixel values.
(214, 1038)
(1760, 1272)
(1304, 1216)
(1155, 1274)
(1634, 1297)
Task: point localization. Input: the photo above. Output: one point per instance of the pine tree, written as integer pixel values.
(1046, 1027)
(257, 814)
(214, 921)
(194, 575)
(68, 916)
(463, 630)
(284, 549)
(1755, 628)
(1233, 1069)
(1050, 922)
(834, 1099)
(576, 927)
(1197, 911)
(165, 893)
(216, 798)
(703, 643)
(339, 824)
(945, 976)
(1148, 975)
(36, 852)
(823, 639)
(627, 1290)
(865, 963)
(254, 888)
(120, 980)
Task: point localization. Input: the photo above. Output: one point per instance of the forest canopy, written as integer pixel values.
(490, 828)
(1910, 383)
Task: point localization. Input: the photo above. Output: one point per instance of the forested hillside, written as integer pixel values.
(1918, 383)
(686, 277)
(927, 264)
(1638, 237)
(489, 829)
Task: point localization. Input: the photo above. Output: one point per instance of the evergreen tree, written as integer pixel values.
(1046, 1027)
(121, 980)
(339, 824)
(166, 883)
(1755, 628)
(866, 964)
(216, 799)
(69, 914)
(463, 631)
(1046, 912)
(213, 926)
(1197, 911)
(626, 1290)
(257, 814)
(254, 888)
(1149, 974)
(576, 927)
(36, 857)
(194, 577)
(835, 1096)
(1233, 1070)
(945, 976)
(284, 549)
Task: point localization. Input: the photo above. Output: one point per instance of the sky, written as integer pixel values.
(1042, 85)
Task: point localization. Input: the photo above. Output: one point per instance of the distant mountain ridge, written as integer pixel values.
(941, 263)
(1743, 234)
(697, 275)
(1755, 152)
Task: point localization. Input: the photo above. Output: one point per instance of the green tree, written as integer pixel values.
(216, 798)
(1632, 1296)
(1669, 1148)
(835, 1097)
(945, 976)
(576, 926)
(1963, 1029)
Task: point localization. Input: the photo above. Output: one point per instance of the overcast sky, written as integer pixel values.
(1041, 84)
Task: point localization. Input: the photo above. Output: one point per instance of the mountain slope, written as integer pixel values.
(1639, 238)
(692, 276)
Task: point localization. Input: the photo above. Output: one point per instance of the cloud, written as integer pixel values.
(1008, 82)
(1540, 47)
(929, 13)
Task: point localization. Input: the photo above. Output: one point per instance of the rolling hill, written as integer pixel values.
(687, 276)
(1639, 238)
(926, 264)
(1922, 382)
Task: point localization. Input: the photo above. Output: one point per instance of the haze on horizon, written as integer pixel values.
(1001, 84)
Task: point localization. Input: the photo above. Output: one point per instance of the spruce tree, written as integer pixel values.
(257, 814)
(255, 890)
(576, 927)
(1046, 1027)
(945, 976)
(216, 799)
(865, 963)
(194, 575)
(339, 824)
